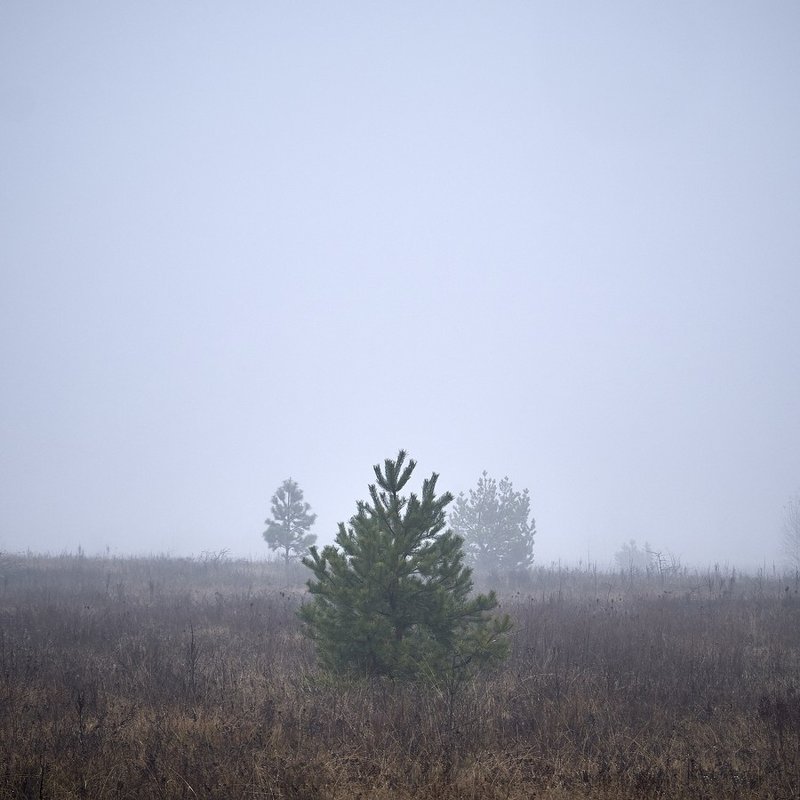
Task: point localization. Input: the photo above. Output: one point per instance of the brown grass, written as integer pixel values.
(135, 678)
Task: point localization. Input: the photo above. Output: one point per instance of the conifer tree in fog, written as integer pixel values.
(288, 528)
(393, 596)
(791, 531)
(631, 558)
(494, 523)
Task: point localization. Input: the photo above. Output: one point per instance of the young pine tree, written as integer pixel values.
(494, 523)
(394, 597)
(288, 529)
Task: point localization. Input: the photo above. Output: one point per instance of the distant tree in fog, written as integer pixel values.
(393, 597)
(791, 531)
(288, 528)
(633, 559)
(494, 523)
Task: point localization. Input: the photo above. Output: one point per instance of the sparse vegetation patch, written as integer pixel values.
(160, 678)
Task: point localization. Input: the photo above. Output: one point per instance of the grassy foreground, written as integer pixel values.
(175, 678)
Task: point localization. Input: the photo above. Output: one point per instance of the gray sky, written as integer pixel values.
(246, 241)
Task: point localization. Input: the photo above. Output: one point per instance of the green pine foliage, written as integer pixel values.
(393, 598)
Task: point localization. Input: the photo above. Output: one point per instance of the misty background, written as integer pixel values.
(246, 241)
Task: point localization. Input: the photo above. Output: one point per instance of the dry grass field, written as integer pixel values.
(172, 678)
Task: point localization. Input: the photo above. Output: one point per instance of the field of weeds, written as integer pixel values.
(178, 678)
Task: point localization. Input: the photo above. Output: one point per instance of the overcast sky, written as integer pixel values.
(245, 241)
